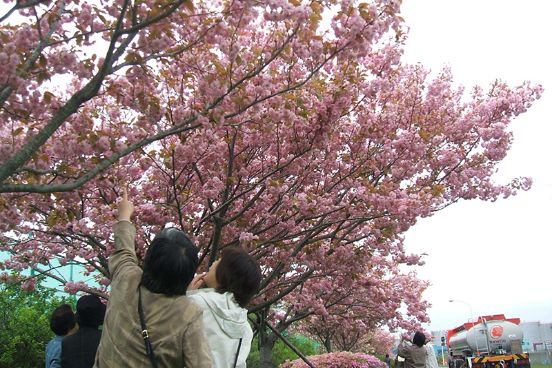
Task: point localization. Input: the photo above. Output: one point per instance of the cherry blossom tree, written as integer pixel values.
(354, 324)
(74, 72)
(379, 342)
(355, 339)
(309, 144)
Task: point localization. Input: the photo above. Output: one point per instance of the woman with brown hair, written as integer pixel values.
(231, 283)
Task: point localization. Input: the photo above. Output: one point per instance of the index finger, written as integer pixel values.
(125, 194)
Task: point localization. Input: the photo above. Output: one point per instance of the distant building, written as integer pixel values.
(537, 336)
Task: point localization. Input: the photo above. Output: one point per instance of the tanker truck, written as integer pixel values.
(490, 342)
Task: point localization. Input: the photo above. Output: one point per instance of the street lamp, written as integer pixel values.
(466, 303)
(472, 319)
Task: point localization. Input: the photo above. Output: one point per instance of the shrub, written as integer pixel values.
(281, 352)
(342, 359)
(25, 325)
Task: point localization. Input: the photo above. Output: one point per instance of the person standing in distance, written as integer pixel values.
(63, 323)
(79, 349)
(387, 360)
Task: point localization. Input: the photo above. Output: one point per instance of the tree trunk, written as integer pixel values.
(328, 344)
(267, 337)
(266, 345)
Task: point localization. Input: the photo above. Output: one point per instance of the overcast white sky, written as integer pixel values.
(495, 257)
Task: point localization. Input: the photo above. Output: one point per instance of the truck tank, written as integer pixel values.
(500, 336)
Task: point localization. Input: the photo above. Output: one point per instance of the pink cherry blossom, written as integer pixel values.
(308, 143)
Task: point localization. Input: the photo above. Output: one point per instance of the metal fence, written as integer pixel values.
(541, 357)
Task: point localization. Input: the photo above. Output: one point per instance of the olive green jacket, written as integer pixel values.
(174, 323)
(414, 356)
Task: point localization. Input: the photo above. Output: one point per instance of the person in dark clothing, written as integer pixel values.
(387, 360)
(79, 350)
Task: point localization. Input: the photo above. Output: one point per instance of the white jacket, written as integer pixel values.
(225, 323)
(431, 359)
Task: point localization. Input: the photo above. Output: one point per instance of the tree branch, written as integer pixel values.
(104, 164)
(19, 6)
(285, 341)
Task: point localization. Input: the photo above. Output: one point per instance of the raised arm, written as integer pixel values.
(126, 208)
(404, 350)
(124, 233)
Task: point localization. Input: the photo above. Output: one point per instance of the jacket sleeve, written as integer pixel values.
(431, 359)
(124, 256)
(405, 351)
(53, 355)
(197, 353)
(245, 348)
(55, 362)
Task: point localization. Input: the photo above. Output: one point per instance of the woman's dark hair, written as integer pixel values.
(170, 263)
(419, 339)
(90, 311)
(238, 273)
(63, 320)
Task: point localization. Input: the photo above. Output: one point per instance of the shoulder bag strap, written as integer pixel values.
(237, 353)
(145, 336)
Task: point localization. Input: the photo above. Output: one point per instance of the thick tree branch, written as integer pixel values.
(285, 341)
(89, 91)
(19, 5)
(104, 164)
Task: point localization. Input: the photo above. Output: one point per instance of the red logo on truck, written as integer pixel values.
(497, 331)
